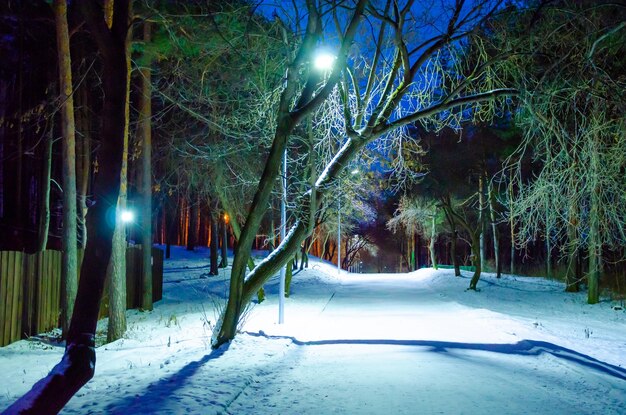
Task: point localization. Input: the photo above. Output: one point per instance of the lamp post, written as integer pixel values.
(339, 237)
(283, 232)
(322, 61)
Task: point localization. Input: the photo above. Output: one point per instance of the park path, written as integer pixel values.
(393, 345)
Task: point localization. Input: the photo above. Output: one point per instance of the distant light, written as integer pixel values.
(355, 171)
(324, 61)
(226, 218)
(127, 216)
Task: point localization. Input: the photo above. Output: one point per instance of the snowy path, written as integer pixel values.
(361, 359)
(361, 344)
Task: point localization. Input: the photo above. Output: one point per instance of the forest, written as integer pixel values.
(484, 135)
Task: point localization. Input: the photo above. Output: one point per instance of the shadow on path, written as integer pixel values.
(522, 348)
(184, 268)
(159, 392)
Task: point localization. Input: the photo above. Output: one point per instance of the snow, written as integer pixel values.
(355, 343)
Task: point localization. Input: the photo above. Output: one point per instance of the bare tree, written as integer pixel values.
(575, 128)
(116, 270)
(69, 269)
(145, 114)
(418, 215)
(378, 98)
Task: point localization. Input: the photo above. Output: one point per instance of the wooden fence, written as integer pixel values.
(30, 289)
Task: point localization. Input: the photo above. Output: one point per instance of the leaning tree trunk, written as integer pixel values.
(145, 129)
(288, 276)
(77, 366)
(286, 121)
(117, 265)
(69, 256)
(234, 222)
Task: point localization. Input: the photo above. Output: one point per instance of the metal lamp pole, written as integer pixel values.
(339, 238)
(283, 232)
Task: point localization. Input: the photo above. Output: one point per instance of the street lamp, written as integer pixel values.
(323, 60)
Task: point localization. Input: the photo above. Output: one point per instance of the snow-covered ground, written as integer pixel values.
(413, 343)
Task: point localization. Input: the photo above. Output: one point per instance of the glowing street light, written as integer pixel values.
(127, 216)
(324, 60)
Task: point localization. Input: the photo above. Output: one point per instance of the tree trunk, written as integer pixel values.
(214, 245)
(230, 211)
(481, 216)
(117, 264)
(548, 250)
(410, 259)
(192, 216)
(431, 244)
(145, 129)
(511, 225)
(475, 241)
(475, 261)
(77, 366)
(494, 230)
(170, 214)
(44, 212)
(418, 251)
(455, 256)
(572, 277)
(69, 268)
(595, 243)
(455, 237)
(304, 260)
(224, 238)
(288, 277)
(83, 162)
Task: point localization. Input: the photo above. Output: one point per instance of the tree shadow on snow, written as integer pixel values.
(160, 392)
(522, 348)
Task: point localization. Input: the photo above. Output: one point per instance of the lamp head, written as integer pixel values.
(127, 216)
(324, 60)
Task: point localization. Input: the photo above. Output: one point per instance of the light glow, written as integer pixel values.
(127, 216)
(324, 61)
